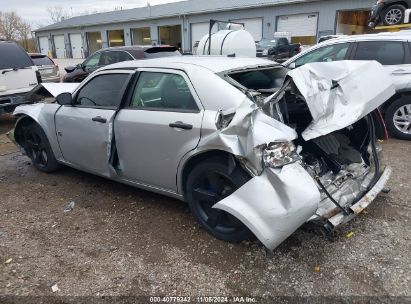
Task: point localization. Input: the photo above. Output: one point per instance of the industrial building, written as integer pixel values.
(184, 23)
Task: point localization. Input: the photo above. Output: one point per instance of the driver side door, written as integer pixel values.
(84, 129)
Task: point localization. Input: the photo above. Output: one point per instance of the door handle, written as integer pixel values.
(180, 125)
(99, 119)
(401, 72)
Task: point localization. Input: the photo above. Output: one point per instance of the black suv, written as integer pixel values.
(116, 54)
(389, 12)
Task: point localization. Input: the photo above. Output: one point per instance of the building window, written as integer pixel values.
(116, 38)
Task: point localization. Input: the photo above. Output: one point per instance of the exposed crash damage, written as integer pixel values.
(333, 173)
(264, 151)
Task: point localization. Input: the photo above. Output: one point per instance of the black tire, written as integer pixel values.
(37, 147)
(398, 114)
(394, 15)
(209, 174)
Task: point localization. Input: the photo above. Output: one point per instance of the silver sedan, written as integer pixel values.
(252, 148)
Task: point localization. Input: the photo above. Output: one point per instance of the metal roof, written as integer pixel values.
(188, 7)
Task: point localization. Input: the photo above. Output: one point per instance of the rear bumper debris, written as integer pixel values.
(363, 203)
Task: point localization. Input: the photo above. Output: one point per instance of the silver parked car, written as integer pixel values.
(251, 148)
(49, 70)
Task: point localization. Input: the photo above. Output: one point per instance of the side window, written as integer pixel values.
(124, 56)
(163, 91)
(385, 52)
(103, 91)
(335, 52)
(108, 58)
(12, 55)
(93, 60)
(282, 41)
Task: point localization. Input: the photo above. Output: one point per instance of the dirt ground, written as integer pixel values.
(123, 241)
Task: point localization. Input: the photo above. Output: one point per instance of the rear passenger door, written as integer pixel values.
(395, 56)
(161, 123)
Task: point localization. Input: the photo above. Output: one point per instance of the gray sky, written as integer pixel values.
(35, 11)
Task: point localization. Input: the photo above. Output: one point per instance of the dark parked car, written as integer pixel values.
(277, 48)
(116, 54)
(49, 70)
(389, 12)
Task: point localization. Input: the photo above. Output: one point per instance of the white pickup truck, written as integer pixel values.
(392, 50)
(18, 75)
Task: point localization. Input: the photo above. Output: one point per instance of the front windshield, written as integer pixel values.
(265, 43)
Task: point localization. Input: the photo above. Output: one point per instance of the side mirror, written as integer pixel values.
(292, 66)
(64, 99)
(80, 66)
(70, 69)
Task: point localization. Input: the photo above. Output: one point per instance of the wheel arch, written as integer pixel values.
(195, 159)
(400, 2)
(397, 96)
(22, 121)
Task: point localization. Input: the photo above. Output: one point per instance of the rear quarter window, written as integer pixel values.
(13, 56)
(385, 52)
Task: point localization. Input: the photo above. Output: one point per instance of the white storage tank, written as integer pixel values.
(229, 42)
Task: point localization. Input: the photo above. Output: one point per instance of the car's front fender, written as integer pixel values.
(43, 114)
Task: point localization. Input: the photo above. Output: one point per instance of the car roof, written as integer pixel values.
(134, 47)
(216, 64)
(404, 35)
(401, 35)
(37, 55)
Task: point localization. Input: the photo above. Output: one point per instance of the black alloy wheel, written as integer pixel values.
(37, 147)
(207, 184)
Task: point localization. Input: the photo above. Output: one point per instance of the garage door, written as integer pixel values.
(303, 27)
(76, 45)
(254, 26)
(44, 45)
(59, 46)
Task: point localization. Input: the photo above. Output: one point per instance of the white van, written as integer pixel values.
(18, 75)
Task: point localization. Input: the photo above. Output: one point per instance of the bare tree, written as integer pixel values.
(25, 35)
(15, 28)
(57, 14)
(9, 23)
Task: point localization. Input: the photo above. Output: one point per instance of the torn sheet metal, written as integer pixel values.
(249, 129)
(55, 89)
(274, 204)
(340, 93)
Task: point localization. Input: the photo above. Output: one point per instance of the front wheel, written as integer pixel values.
(394, 15)
(398, 118)
(37, 147)
(207, 184)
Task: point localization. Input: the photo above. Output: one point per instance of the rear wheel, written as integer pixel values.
(208, 183)
(37, 147)
(398, 118)
(394, 15)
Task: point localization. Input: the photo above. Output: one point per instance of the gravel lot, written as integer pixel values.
(123, 241)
